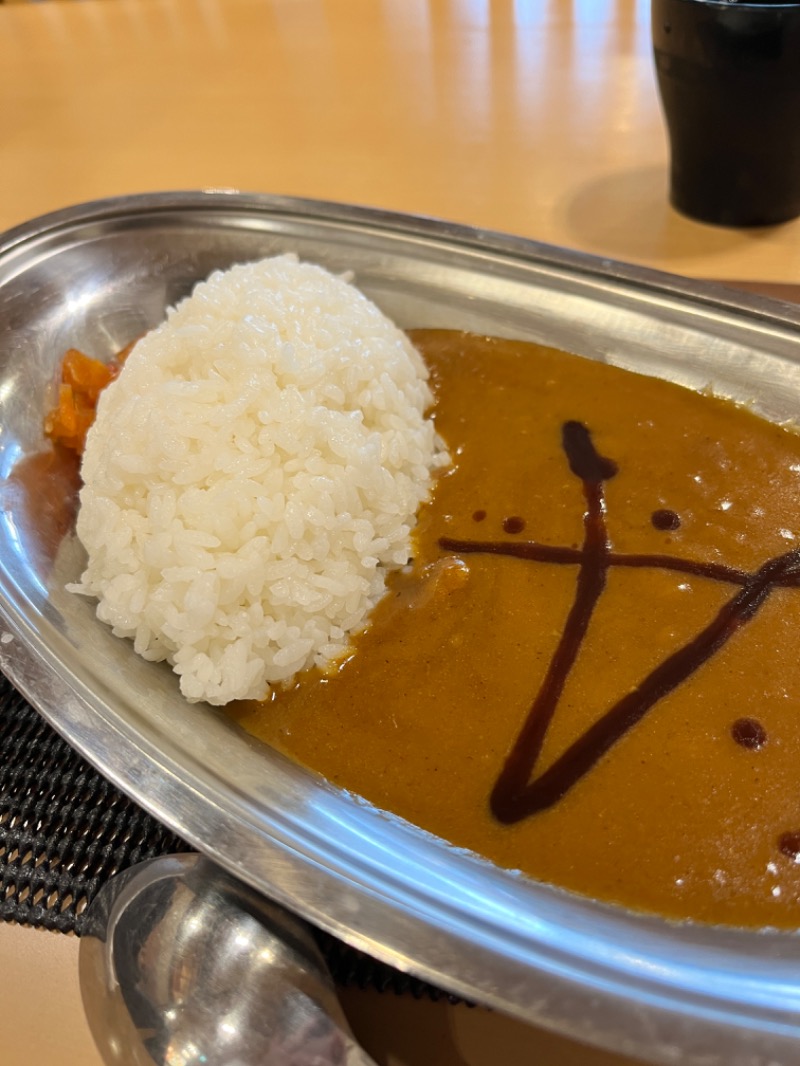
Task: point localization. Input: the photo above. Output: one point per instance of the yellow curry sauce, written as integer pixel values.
(591, 673)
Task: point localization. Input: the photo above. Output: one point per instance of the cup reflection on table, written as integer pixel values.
(729, 78)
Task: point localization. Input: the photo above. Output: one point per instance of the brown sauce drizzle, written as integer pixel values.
(516, 794)
(665, 520)
(789, 844)
(749, 733)
(513, 524)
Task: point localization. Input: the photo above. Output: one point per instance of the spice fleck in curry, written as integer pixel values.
(590, 672)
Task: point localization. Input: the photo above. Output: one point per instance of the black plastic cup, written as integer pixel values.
(729, 78)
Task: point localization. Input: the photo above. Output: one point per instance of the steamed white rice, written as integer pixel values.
(252, 475)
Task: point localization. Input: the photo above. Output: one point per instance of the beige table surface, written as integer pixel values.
(538, 117)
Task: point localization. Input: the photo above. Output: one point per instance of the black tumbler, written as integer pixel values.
(729, 78)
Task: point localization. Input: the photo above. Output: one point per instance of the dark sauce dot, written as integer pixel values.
(789, 844)
(665, 519)
(749, 733)
(513, 524)
(478, 516)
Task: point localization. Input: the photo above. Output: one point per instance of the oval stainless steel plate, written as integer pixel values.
(96, 276)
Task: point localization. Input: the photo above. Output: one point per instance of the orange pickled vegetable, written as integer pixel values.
(85, 375)
(82, 381)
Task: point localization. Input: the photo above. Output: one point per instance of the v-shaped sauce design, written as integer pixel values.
(517, 793)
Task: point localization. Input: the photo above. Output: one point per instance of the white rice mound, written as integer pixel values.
(252, 475)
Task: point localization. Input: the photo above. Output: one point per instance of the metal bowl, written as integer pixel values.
(98, 275)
